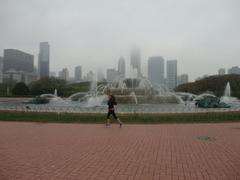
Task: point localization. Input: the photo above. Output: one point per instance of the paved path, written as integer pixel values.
(134, 152)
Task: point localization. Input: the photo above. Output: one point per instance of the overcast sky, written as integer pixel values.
(203, 35)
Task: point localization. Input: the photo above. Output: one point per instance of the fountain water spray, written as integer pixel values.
(55, 92)
(134, 97)
(126, 91)
(227, 91)
(227, 98)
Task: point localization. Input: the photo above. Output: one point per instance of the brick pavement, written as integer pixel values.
(51, 151)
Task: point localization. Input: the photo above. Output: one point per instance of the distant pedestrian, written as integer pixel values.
(111, 111)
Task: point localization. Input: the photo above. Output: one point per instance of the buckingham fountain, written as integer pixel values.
(132, 91)
(134, 95)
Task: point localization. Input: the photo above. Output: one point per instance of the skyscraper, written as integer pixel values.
(90, 76)
(52, 74)
(156, 70)
(234, 70)
(121, 67)
(16, 60)
(64, 74)
(43, 59)
(171, 74)
(221, 71)
(182, 79)
(1, 63)
(100, 76)
(78, 73)
(112, 75)
(18, 66)
(135, 58)
(1, 69)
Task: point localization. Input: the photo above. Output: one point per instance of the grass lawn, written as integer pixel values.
(142, 118)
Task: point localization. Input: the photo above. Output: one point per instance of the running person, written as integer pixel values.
(111, 103)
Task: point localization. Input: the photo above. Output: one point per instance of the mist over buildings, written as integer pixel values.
(203, 35)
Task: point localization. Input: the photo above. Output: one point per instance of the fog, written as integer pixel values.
(203, 35)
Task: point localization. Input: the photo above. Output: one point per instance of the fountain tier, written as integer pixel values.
(139, 91)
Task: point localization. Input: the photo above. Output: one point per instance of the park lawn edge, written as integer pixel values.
(127, 118)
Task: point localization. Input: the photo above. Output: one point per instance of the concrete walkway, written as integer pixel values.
(135, 152)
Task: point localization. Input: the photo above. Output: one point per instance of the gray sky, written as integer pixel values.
(203, 35)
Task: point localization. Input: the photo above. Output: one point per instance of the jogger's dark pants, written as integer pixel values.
(111, 112)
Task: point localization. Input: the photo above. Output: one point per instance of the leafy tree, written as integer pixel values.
(3, 89)
(215, 84)
(20, 89)
(48, 85)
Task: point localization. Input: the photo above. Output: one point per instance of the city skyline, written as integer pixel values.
(143, 70)
(203, 35)
(103, 74)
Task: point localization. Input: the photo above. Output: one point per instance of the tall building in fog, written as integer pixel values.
(100, 76)
(43, 59)
(90, 76)
(18, 66)
(121, 67)
(64, 74)
(112, 75)
(171, 74)
(1, 63)
(234, 70)
(1, 69)
(78, 73)
(221, 71)
(156, 70)
(182, 79)
(16, 60)
(135, 58)
(52, 74)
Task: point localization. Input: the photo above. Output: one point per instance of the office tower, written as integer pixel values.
(156, 70)
(52, 74)
(90, 76)
(78, 73)
(221, 71)
(112, 75)
(18, 66)
(64, 74)
(121, 67)
(13, 76)
(135, 58)
(43, 59)
(16, 60)
(171, 74)
(234, 70)
(1, 69)
(100, 76)
(182, 79)
(35, 70)
(1, 63)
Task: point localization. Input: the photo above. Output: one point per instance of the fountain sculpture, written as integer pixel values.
(128, 91)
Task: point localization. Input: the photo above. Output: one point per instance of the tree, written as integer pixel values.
(47, 85)
(20, 89)
(215, 84)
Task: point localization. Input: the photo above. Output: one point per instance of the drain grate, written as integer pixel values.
(206, 138)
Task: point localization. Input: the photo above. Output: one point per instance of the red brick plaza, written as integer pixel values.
(149, 152)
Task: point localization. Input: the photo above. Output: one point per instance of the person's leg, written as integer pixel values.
(115, 117)
(108, 118)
